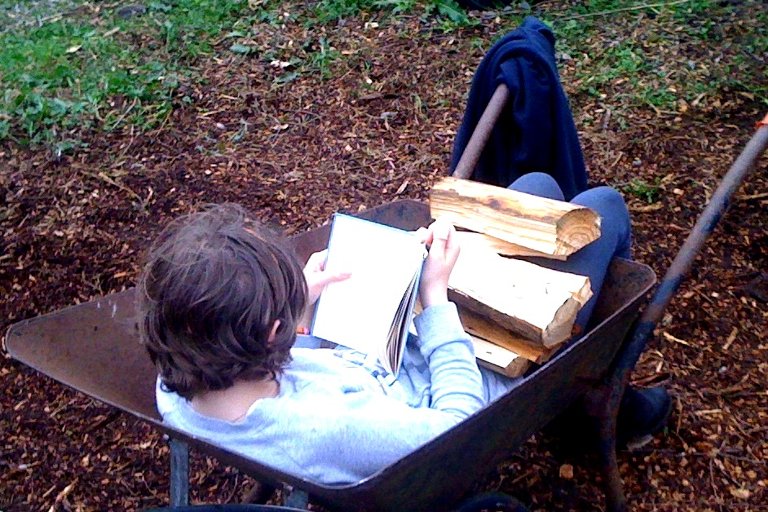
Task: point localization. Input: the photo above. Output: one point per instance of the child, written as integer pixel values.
(220, 303)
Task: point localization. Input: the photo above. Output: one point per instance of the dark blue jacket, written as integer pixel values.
(536, 130)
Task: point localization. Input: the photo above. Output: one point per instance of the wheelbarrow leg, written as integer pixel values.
(603, 406)
(614, 488)
(179, 472)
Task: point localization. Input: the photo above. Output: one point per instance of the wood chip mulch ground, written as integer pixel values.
(381, 128)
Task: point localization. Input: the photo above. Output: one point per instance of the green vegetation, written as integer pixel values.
(80, 67)
(648, 192)
(452, 15)
(331, 10)
(625, 68)
(72, 66)
(324, 57)
(91, 69)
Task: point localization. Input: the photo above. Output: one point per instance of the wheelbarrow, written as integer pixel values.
(93, 348)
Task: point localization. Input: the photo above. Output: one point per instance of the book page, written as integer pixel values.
(398, 334)
(384, 261)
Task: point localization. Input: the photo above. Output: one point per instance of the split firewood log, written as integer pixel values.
(543, 225)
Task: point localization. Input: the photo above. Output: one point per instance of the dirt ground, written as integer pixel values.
(74, 228)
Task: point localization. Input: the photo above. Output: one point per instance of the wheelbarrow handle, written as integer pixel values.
(702, 230)
(613, 388)
(482, 133)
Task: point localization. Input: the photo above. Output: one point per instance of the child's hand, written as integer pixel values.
(443, 252)
(317, 278)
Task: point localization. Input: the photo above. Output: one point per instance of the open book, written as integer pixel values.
(371, 311)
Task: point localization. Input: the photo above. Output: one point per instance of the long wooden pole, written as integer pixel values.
(482, 133)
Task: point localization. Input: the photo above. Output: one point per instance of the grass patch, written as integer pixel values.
(332, 10)
(648, 192)
(87, 68)
(449, 14)
(60, 75)
(324, 57)
(71, 66)
(664, 69)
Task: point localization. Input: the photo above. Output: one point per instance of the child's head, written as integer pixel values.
(214, 286)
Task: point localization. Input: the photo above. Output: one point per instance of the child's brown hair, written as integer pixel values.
(213, 286)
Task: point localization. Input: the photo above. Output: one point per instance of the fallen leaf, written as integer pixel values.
(742, 494)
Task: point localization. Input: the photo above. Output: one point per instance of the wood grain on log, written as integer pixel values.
(500, 246)
(535, 302)
(478, 326)
(543, 225)
(499, 359)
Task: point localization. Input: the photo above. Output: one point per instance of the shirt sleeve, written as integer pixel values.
(373, 432)
(456, 383)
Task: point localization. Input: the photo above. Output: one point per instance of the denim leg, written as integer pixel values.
(614, 217)
(594, 259)
(538, 184)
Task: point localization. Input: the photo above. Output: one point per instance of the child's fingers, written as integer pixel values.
(441, 233)
(451, 238)
(439, 240)
(423, 235)
(445, 245)
(328, 278)
(453, 246)
(441, 229)
(316, 261)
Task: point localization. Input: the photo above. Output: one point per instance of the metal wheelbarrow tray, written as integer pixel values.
(93, 348)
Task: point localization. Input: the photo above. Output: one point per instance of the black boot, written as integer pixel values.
(642, 413)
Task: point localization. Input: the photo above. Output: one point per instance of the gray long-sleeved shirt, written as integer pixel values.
(339, 417)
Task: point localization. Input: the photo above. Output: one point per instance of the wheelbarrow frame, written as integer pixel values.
(77, 346)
